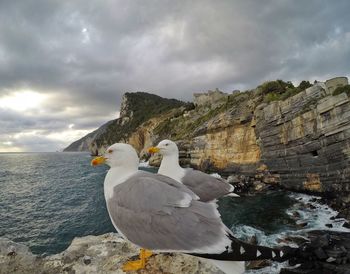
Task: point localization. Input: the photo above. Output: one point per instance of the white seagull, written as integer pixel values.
(207, 187)
(160, 214)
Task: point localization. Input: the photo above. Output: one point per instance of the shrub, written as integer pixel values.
(272, 97)
(304, 85)
(342, 89)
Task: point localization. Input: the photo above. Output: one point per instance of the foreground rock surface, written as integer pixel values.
(321, 251)
(94, 254)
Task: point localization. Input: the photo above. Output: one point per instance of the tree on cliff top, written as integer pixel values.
(304, 85)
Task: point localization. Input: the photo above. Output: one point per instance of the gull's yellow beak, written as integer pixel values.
(98, 161)
(153, 150)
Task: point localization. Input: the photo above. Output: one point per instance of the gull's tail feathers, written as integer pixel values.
(241, 251)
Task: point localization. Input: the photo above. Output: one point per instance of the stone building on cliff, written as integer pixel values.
(208, 98)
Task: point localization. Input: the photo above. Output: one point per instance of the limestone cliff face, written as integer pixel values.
(143, 137)
(305, 140)
(228, 140)
(301, 137)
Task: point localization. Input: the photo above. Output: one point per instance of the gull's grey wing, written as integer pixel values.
(158, 213)
(207, 187)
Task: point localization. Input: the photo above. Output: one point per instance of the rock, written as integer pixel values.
(311, 206)
(329, 225)
(330, 260)
(320, 254)
(346, 224)
(96, 254)
(302, 224)
(296, 214)
(87, 260)
(258, 264)
(259, 187)
(299, 240)
(233, 179)
(11, 250)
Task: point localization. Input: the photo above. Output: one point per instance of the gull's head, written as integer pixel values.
(118, 155)
(165, 147)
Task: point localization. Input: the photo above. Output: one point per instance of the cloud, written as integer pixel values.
(84, 55)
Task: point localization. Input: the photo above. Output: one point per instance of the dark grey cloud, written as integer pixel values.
(86, 54)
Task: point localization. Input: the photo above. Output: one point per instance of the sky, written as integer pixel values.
(64, 65)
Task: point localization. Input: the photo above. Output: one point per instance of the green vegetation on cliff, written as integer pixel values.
(342, 89)
(280, 90)
(187, 125)
(136, 108)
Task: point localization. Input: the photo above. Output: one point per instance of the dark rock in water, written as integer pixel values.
(302, 224)
(346, 224)
(340, 215)
(259, 186)
(233, 179)
(312, 206)
(329, 225)
(327, 252)
(296, 214)
(299, 240)
(320, 254)
(335, 253)
(320, 241)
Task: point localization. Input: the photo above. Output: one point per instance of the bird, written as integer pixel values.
(159, 214)
(207, 187)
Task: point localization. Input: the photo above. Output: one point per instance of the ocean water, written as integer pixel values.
(47, 199)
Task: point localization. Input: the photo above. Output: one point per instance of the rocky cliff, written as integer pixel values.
(135, 109)
(300, 135)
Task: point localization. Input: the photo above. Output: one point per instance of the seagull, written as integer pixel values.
(207, 187)
(159, 214)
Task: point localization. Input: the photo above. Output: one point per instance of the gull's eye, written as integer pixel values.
(166, 144)
(110, 150)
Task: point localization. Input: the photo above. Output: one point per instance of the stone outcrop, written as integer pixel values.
(95, 254)
(322, 250)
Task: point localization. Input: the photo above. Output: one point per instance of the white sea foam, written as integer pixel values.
(216, 175)
(317, 215)
(310, 210)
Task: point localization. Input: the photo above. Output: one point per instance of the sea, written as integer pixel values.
(47, 199)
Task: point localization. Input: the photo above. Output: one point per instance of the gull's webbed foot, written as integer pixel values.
(138, 264)
(133, 265)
